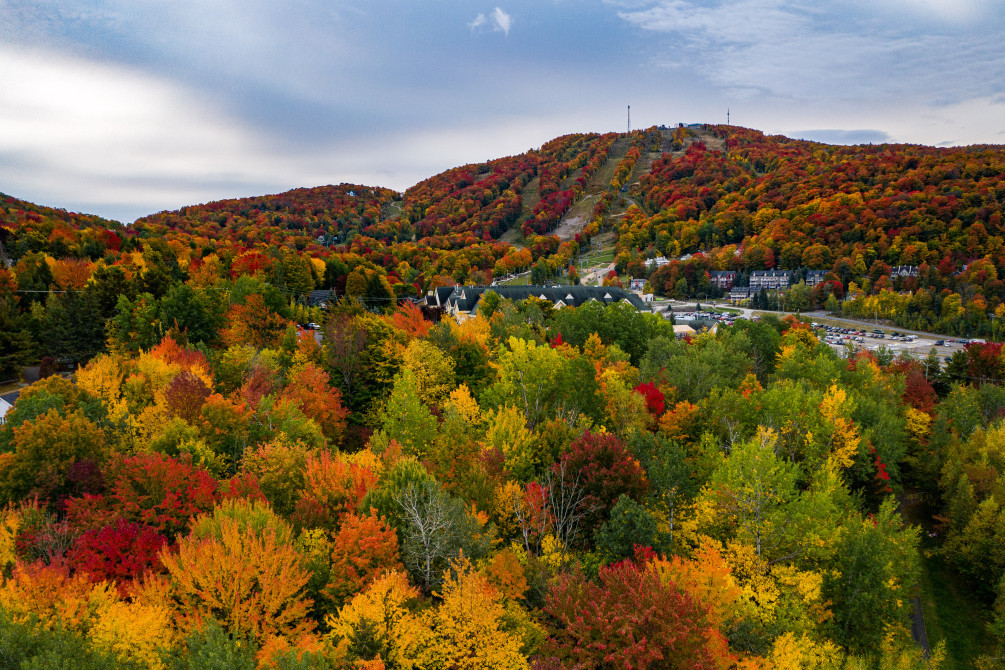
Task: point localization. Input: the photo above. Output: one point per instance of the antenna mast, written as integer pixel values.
(629, 119)
(727, 116)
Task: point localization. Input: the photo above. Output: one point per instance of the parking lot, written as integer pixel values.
(873, 338)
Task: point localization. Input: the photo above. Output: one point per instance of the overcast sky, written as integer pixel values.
(127, 107)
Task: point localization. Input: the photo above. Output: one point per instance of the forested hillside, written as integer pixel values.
(773, 203)
(201, 480)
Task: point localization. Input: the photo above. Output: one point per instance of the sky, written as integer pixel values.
(124, 108)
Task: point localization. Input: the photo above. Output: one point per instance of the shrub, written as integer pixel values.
(117, 553)
(161, 491)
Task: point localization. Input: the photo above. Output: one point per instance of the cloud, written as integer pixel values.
(497, 20)
(95, 137)
(810, 52)
(839, 136)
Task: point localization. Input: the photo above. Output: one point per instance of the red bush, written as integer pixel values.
(161, 491)
(655, 401)
(242, 485)
(117, 553)
(629, 619)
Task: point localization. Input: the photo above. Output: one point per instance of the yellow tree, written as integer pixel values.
(379, 624)
(432, 370)
(508, 432)
(466, 628)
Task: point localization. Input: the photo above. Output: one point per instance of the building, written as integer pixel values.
(740, 293)
(657, 262)
(903, 271)
(680, 331)
(7, 403)
(463, 300)
(637, 285)
(722, 279)
(814, 277)
(770, 279)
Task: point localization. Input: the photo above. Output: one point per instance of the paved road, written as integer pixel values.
(918, 631)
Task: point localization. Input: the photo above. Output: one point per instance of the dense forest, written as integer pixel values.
(200, 480)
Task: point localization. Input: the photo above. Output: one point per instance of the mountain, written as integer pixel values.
(710, 198)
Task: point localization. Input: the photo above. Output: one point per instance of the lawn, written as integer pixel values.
(602, 257)
(953, 612)
(524, 280)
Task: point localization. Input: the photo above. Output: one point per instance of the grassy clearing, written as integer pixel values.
(531, 195)
(524, 280)
(603, 176)
(951, 614)
(602, 257)
(511, 237)
(392, 209)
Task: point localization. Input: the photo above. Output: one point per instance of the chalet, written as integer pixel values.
(902, 271)
(657, 262)
(738, 293)
(637, 285)
(770, 279)
(723, 279)
(814, 277)
(463, 300)
(438, 296)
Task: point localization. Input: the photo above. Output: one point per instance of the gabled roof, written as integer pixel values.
(465, 298)
(438, 296)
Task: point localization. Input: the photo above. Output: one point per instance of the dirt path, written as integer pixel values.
(579, 214)
(712, 142)
(573, 224)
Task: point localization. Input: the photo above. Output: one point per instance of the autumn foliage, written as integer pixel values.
(631, 618)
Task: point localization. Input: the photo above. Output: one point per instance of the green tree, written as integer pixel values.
(296, 274)
(135, 325)
(107, 283)
(406, 419)
(17, 348)
(184, 309)
(753, 487)
(74, 329)
(875, 568)
(543, 383)
(489, 303)
(630, 524)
